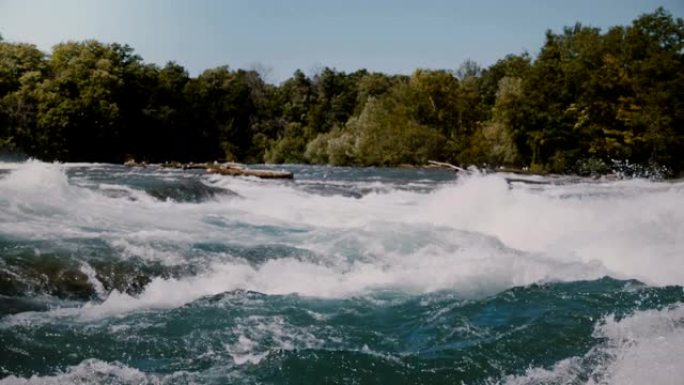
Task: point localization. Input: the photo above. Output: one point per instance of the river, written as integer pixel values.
(358, 276)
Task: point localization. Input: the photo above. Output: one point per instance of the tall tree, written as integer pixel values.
(21, 65)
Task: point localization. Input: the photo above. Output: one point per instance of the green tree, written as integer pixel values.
(20, 66)
(587, 98)
(517, 66)
(226, 105)
(653, 114)
(494, 142)
(78, 115)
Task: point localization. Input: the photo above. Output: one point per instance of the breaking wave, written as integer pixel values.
(88, 244)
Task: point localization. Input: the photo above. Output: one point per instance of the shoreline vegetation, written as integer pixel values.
(591, 102)
(237, 169)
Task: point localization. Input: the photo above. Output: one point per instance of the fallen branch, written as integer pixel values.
(447, 165)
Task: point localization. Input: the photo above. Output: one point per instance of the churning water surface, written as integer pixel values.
(117, 275)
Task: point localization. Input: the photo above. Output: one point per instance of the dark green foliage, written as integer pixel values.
(589, 98)
(616, 95)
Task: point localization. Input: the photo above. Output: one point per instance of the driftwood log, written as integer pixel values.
(508, 179)
(447, 165)
(233, 169)
(259, 173)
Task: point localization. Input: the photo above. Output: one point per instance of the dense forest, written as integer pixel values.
(590, 98)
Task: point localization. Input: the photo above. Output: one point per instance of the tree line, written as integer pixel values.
(590, 97)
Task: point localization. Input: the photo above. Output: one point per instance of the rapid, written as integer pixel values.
(125, 275)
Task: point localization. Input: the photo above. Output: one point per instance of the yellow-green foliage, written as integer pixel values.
(379, 136)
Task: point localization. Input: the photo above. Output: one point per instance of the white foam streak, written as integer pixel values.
(88, 372)
(473, 271)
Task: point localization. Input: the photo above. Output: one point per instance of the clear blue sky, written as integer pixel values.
(280, 36)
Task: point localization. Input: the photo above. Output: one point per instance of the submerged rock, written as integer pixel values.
(186, 190)
(47, 274)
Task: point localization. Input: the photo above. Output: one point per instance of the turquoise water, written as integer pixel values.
(355, 276)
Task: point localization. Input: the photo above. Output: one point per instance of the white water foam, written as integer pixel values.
(634, 228)
(644, 348)
(88, 372)
(476, 236)
(281, 336)
(474, 266)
